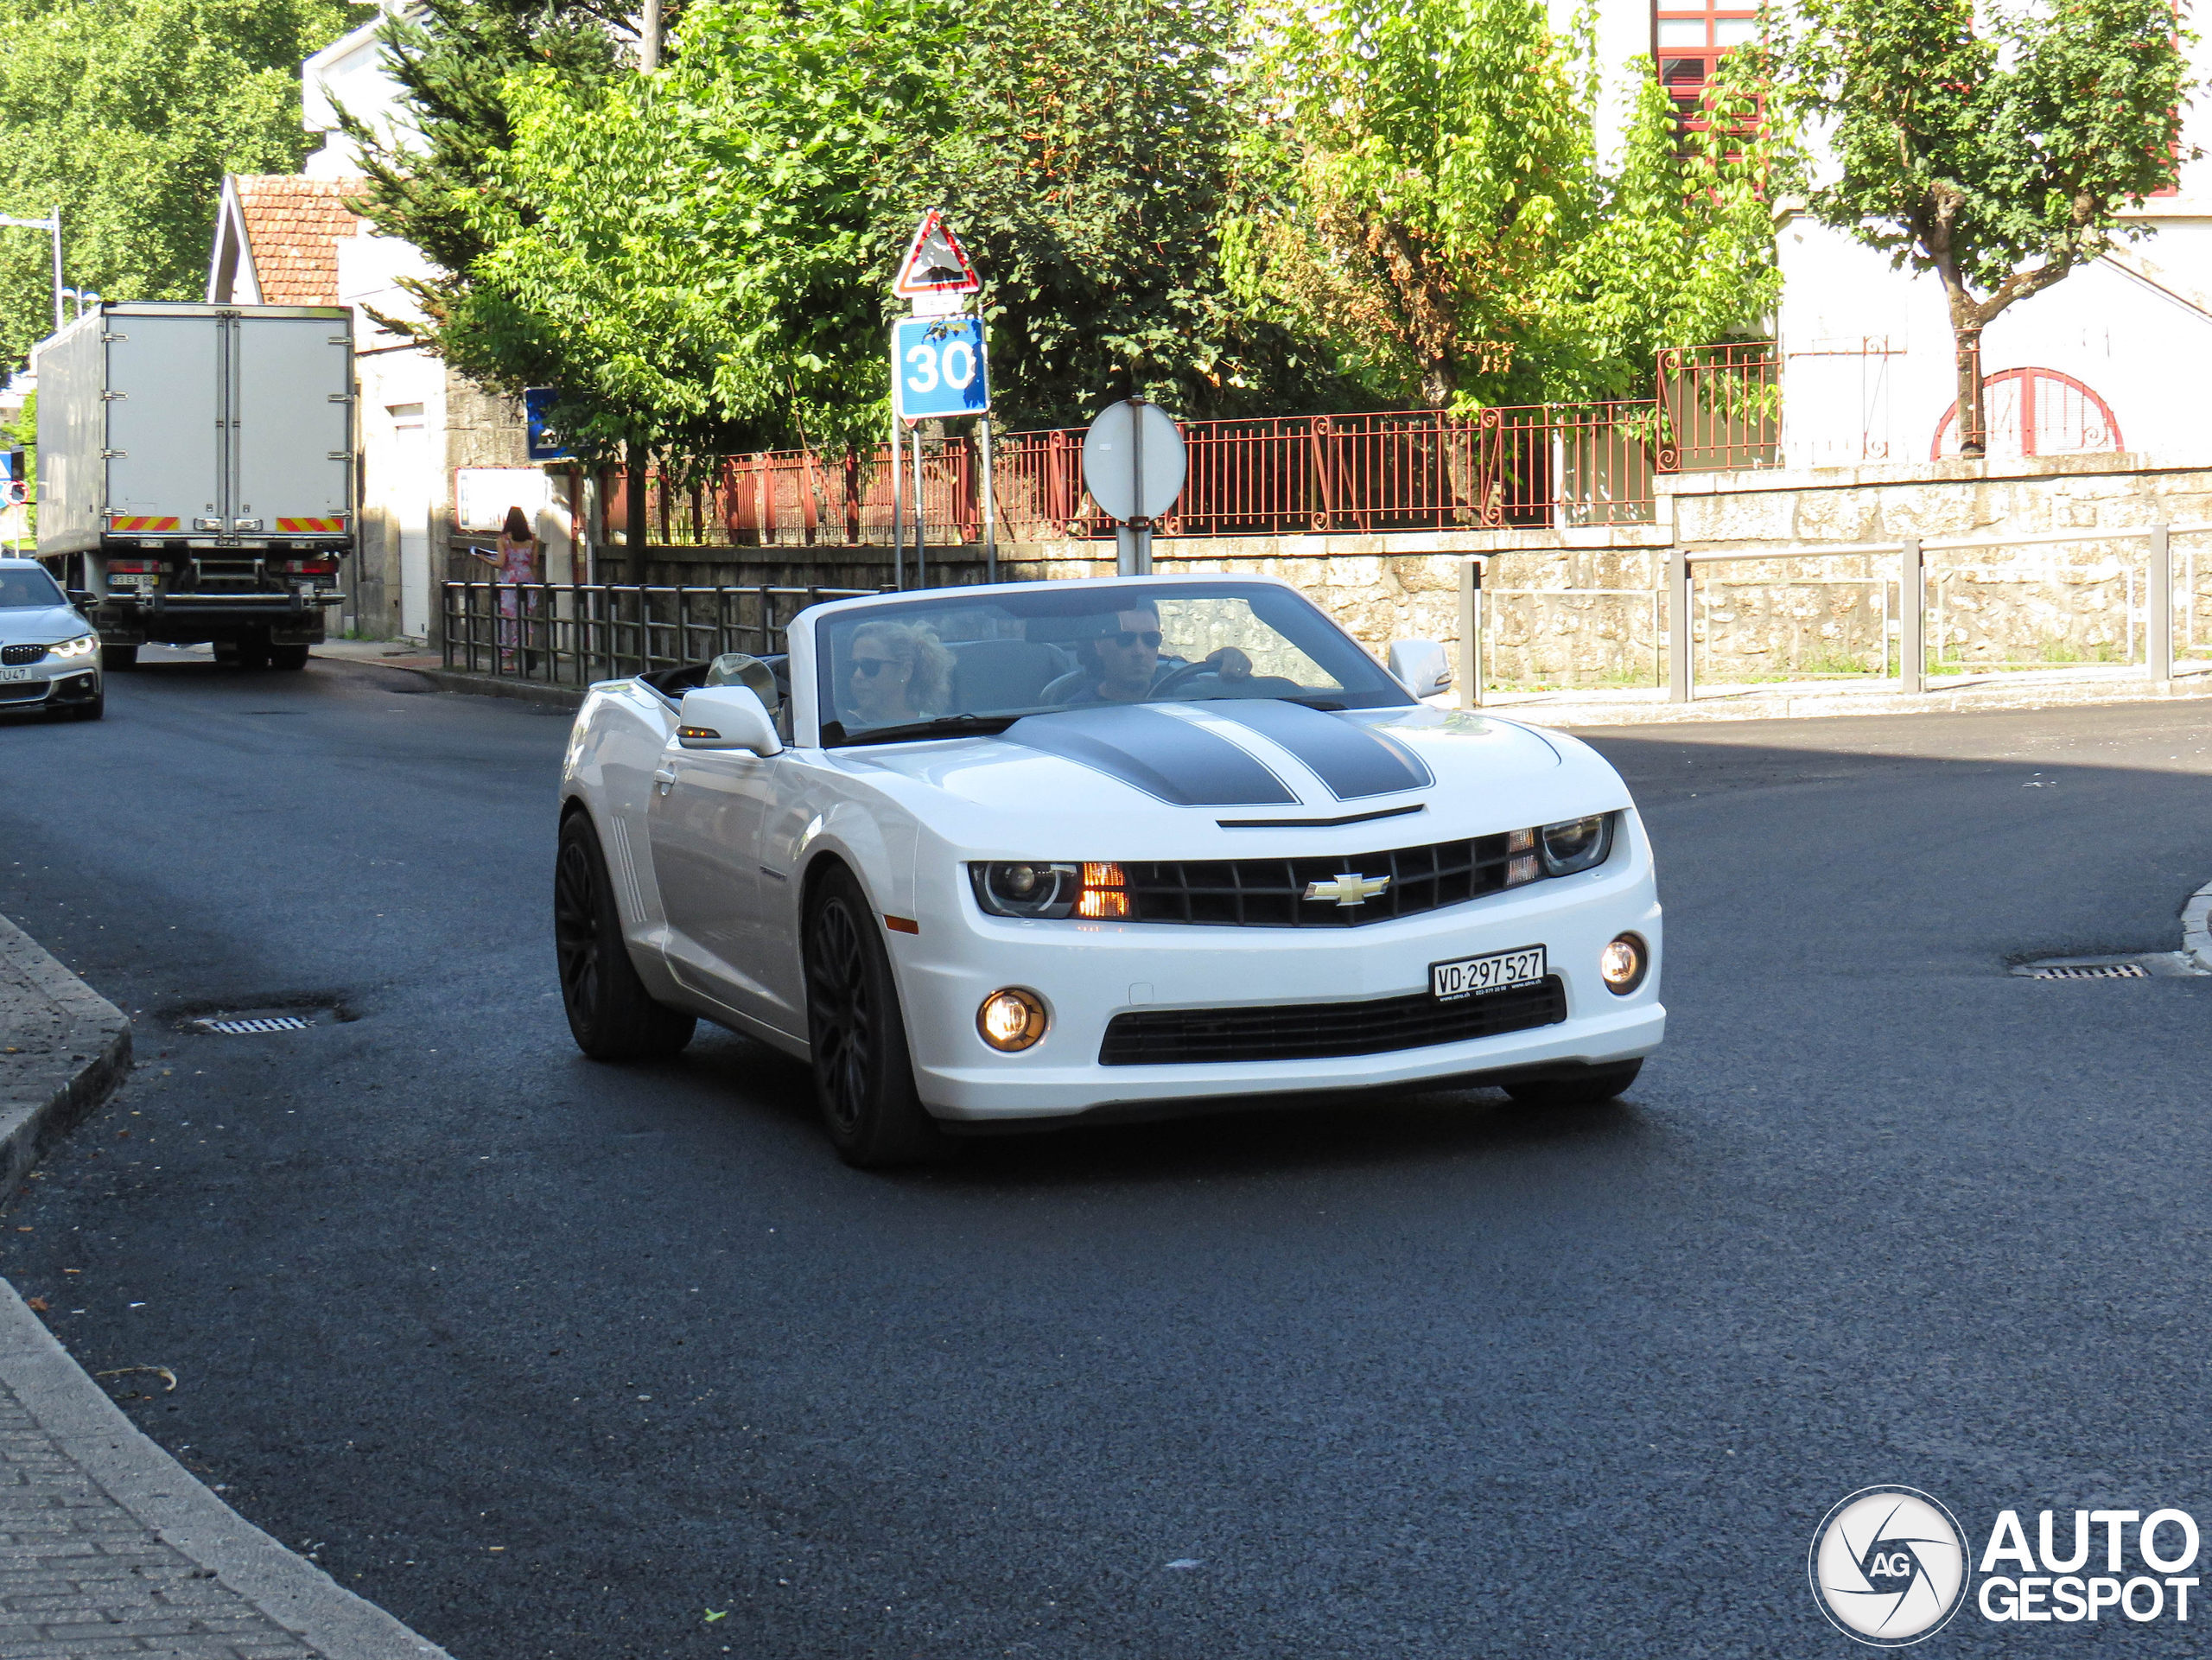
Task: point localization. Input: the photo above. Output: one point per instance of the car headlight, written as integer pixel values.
(1575, 844)
(1040, 888)
(83, 645)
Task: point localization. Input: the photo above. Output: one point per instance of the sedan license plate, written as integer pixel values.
(1471, 977)
(15, 674)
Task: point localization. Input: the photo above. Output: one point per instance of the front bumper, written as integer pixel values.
(50, 682)
(1088, 972)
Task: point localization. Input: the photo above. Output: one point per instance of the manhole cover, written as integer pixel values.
(2089, 971)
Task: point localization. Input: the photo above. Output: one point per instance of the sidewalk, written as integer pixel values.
(1798, 700)
(108, 1546)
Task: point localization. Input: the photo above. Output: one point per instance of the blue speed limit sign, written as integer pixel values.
(936, 367)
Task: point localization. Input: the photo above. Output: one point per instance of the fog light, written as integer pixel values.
(1011, 1020)
(1622, 964)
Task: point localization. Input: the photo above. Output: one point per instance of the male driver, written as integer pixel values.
(1129, 665)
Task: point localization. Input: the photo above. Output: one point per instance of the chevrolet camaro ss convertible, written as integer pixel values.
(997, 856)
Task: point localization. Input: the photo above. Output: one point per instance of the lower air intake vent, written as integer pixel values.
(1324, 1031)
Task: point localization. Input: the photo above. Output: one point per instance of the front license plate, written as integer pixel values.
(15, 674)
(1471, 977)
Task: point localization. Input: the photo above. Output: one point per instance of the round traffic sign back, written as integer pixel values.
(1128, 441)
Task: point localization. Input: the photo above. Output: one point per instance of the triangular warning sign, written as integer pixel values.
(936, 263)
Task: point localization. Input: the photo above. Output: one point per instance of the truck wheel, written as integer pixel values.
(288, 656)
(611, 1015)
(253, 651)
(119, 659)
(863, 1072)
(1588, 1089)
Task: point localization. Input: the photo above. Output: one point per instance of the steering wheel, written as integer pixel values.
(1182, 673)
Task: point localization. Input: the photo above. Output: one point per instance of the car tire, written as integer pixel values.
(91, 712)
(119, 659)
(288, 656)
(611, 1015)
(1589, 1088)
(863, 1070)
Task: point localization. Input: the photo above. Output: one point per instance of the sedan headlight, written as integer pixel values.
(1576, 844)
(1049, 890)
(83, 645)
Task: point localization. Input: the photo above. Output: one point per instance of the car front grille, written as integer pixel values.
(1271, 893)
(1324, 1031)
(15, 656)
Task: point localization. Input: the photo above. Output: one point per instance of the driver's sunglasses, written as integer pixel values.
(872, 666)
(1130, 637)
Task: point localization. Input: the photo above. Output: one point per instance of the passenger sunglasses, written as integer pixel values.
(872, 666)
(1130, 637)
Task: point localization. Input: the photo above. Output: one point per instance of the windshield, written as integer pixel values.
(29, 590)
(941, 662)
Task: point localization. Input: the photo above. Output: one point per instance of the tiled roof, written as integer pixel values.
(292, 225)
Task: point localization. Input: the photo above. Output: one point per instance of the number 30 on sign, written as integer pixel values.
(936, 367)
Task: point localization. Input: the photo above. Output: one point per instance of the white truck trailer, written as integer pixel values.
(195, 470)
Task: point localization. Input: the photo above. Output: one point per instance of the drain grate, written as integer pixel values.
(254, 1025)
(2090, 971)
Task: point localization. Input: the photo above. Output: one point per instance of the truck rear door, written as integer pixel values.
(164, 423)
(292, 441)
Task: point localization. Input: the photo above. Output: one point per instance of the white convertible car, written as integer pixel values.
(989, 856)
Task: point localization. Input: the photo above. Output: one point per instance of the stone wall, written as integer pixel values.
(1582, 606)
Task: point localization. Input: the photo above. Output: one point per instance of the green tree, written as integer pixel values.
(127, 114)
(1440, 211)
(1995, 147)
(1092, 170)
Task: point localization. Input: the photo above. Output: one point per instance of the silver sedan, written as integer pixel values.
(49, 656)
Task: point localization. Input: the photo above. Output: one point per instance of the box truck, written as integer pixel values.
(195, 471)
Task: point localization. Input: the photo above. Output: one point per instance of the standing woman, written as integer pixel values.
(516, 561)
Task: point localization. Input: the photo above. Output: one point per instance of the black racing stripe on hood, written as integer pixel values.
(1183, 765)
(1352, 759)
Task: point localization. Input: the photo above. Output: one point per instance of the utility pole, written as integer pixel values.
(649, 37)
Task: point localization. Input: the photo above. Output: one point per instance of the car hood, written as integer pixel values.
(48, 626)
(1253, 763)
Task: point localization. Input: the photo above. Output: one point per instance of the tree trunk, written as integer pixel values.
(636, 530)
(1974, 427)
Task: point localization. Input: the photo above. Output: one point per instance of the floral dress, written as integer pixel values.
(516, 563)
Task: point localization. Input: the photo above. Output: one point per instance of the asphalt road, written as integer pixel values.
(551, 1358)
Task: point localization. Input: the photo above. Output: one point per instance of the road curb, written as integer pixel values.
(78, 1046)
(2196, 928)
(66, 1049)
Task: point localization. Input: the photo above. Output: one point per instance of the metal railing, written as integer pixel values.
(1912, 604)
(573, 634)
(1533, 466)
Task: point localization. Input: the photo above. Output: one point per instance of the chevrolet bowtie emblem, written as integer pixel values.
(1349, 888)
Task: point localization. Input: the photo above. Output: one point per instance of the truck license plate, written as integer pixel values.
(1471, 977)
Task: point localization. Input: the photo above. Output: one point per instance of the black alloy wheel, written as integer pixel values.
(611, 1015)
(863, 1072)
(1594, 1085)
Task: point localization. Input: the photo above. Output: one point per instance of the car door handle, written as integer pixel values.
(665, 778)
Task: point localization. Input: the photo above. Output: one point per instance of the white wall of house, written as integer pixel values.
(1867, 351)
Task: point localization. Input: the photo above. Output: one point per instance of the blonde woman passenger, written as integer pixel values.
(896, 673)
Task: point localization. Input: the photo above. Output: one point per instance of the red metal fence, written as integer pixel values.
(1541, 466)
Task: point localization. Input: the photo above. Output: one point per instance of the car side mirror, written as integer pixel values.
(1423, 666)
(81, 597)
(727, 718)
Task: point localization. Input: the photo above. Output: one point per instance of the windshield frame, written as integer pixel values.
(830, 733)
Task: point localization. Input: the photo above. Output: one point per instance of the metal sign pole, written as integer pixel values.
(897, 505)
(1140, 552)
(921, 546)
(990, 502)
